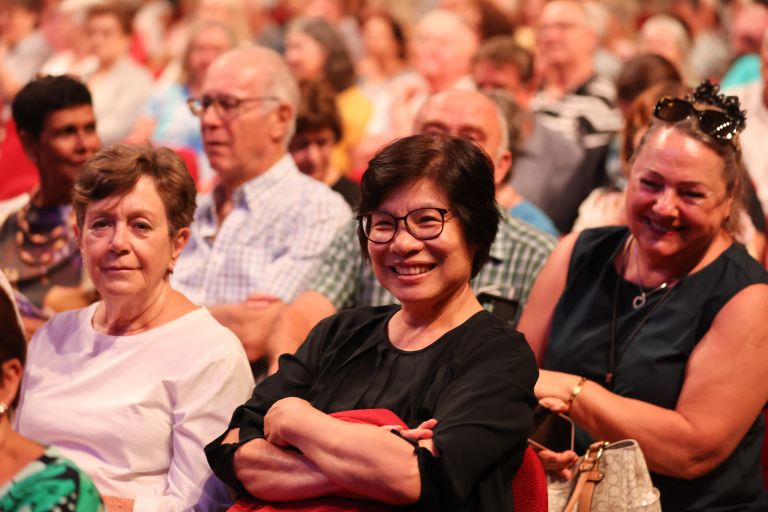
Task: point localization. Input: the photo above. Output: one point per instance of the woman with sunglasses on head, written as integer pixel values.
(456, 381)
(650, 331)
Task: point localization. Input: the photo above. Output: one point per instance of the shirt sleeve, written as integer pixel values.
(295, 376)
(484, 417)
(312, 233)
(203, 400)
(337, 275)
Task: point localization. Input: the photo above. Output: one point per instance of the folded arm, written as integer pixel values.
(361, 459)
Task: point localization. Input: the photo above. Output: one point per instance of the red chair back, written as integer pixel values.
(529, 487)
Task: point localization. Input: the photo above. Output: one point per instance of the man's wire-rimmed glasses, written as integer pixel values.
(226, 106)
(424, 223)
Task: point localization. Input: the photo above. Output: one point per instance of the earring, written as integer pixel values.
(3, 408)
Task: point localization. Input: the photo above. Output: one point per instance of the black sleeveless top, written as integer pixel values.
(651, 367)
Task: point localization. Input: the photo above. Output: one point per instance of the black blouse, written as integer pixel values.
(476, 380)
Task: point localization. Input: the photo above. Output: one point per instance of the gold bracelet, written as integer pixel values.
(576, 390)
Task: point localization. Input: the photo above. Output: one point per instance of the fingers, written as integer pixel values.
(430, 424)
(557, 461)
(554, 404)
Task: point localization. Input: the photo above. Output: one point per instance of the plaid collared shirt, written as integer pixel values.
(280, 224)
(517, 255)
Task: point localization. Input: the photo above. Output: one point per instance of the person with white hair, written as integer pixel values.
(573, 100)
(265, 226)
(666, 36)
(442, 50)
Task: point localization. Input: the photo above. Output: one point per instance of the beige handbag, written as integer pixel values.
(610, 477)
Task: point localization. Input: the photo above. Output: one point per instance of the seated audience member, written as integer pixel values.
(642, 329)
(754, 98)
(494, 114)
(546, 169)
(641, 73)
(120, 86)
(709, 55)
(506, 194)
(748, 25)
(666, 36)
(459, 379)
(24, 48)
(386, 53)
(33, 477)
(140, 380)
(343, 280)
(266, 225)
(318, 129)
(166, 119)
(65, 31)
(573, 100)
(314, 50)
(605, 205)
(38, 246)
(441, 51)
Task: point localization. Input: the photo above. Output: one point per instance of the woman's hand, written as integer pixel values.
(423, 431)
(558, 464)
(285, 414)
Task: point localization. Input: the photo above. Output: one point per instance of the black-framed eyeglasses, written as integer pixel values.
(424, 223)
(226, 106)
(718, 125)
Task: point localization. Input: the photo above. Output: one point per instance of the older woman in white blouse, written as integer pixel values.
(132, 387)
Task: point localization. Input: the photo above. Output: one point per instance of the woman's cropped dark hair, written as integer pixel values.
(339, 68)
(117, 169)
(43, 96)
(13, 344)
(457, 166)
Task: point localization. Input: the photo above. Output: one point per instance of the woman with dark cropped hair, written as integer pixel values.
(140, 380)
(450, 384)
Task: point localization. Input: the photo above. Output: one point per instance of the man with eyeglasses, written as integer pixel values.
(265, 226)
(343, 280)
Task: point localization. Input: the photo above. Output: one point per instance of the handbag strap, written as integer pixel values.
(589, 476)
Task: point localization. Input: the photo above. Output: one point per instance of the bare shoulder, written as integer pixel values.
(740, 315)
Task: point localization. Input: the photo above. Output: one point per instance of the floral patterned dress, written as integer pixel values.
(50, 483)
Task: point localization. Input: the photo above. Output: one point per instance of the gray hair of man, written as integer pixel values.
(276, 79)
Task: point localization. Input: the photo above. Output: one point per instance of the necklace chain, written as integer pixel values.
(640, 299)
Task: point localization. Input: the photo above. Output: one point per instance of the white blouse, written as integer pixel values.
(135, 412)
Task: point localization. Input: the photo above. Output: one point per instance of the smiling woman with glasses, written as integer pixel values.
(649, 331)
(450, 384)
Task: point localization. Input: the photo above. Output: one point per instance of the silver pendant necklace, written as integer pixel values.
(640, 299)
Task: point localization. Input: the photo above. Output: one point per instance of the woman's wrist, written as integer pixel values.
(576, 391)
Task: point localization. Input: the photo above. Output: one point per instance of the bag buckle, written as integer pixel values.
(593, 455)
